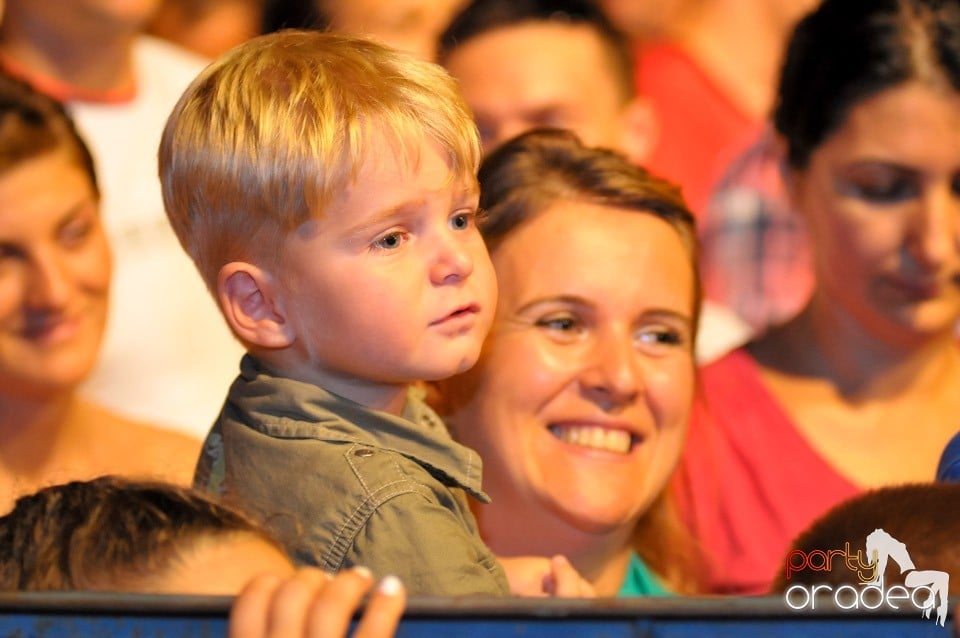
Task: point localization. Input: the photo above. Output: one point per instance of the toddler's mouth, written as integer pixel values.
(468, 309)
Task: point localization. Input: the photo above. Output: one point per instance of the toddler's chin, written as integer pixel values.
(458, 366)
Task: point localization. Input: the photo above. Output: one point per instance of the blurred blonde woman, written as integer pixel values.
(54, 288)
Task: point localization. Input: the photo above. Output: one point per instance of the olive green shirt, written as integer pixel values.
(342, 485)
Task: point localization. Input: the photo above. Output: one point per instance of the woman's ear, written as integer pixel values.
(252, 303)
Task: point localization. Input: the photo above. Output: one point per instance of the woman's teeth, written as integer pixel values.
(594, 437)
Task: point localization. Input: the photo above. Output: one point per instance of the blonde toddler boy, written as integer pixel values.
(325, 188)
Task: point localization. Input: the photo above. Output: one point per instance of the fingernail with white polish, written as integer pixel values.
(363, 571)
(390, 585)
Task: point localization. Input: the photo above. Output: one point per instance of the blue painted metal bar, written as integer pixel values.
(69, 615)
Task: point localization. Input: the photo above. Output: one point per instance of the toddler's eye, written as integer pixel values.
(463, 221)
(558, 323)
(390, 241)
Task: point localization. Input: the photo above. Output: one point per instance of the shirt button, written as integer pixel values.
(363, 452)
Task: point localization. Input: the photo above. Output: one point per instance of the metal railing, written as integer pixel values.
(57, 615)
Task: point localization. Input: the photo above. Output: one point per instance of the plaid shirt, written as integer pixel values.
(755, 251)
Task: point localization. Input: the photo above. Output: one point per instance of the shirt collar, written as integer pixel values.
(287, 408)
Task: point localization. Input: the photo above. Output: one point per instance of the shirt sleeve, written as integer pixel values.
(209, 473)
(429, 548)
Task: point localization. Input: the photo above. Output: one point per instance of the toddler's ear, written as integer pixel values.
(252, 306)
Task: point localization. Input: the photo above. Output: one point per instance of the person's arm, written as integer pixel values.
(314, 604)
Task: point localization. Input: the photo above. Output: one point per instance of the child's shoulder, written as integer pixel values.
(345, 471)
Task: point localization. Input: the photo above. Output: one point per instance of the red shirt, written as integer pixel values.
(748, 482)
(700, 130)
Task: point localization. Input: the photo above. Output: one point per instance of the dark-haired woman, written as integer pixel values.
(860, 389)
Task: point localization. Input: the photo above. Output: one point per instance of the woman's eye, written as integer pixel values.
(9, 251)
(661, 337)
(390, 241)
(955, 185)
(75, 232)
(488, 132)
(560, 324)
(552, 118)
(893, 192)
(883, 189)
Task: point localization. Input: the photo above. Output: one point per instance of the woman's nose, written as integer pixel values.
(613, 376)
(48, 286)
(935, 234)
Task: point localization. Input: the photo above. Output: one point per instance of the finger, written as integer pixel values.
(567, 582)
(527, 576)
(291, 601)
(332, 609)
(248, 615)
(383, 612)
(565, 578)
(548, 584)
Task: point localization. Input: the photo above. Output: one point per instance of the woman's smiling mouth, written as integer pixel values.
(595, 437)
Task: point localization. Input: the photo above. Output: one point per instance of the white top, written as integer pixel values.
(168, 356)
(719, 332)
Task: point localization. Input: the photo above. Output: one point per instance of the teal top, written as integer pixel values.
(640, 581)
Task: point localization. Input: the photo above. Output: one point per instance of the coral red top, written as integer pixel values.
(748, 482)
(700, 130)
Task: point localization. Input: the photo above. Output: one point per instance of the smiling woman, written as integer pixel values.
(579, 403)
(54, 285)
